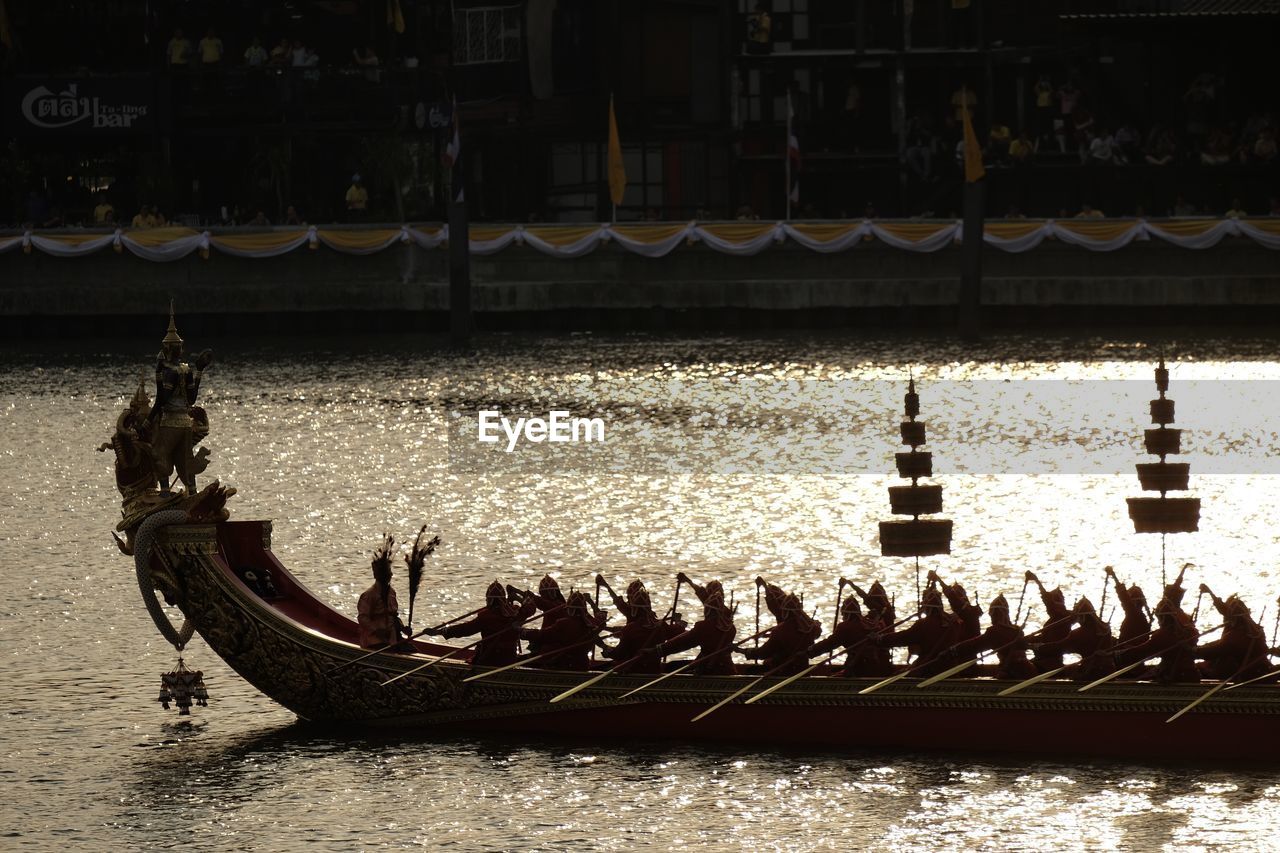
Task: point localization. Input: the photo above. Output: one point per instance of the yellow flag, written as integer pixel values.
(617, 171)
(395, 18)
(973, 169)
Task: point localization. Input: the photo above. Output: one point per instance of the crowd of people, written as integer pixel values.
(209, 55)
(942, 635)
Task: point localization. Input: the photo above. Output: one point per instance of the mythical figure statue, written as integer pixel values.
(178, 423)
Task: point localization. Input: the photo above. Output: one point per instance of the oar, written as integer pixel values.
(1119, 672)
(811, 668)
(1035, 679)
(737, 693)
(413, 637)
(526, 661)
(961, 667)
(594, 679)
(1221, 684)
(732, 648)
(1273, 672)
(453, 652)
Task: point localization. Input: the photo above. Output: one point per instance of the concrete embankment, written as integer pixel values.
(693, 287)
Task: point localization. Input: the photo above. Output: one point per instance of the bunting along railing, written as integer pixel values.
(653, 240)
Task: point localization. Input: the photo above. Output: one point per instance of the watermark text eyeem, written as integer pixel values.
(559, 427)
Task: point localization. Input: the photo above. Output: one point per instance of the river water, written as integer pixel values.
(725, 457)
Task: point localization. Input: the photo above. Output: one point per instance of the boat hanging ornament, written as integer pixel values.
(181, 687)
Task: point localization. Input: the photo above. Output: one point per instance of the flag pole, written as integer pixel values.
(786, 159)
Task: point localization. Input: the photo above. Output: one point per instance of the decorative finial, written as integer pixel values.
(172, 336)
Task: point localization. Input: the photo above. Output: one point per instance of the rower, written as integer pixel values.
(1241, 653)
(643, 630)
(1174, 640)
(713, 633)
(1057, 625)
(548, 599)
(496, 624)
(783, 652)
(567, 643)
(970, 615)
(1137, 615)
(1004, 638)
(854, 633)
(1091, 640)
(933, 634)
(880, 609)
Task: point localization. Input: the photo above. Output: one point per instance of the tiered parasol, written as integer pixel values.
(917, 537)
(1164, 514)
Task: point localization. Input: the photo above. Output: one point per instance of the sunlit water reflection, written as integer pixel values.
(716, 462)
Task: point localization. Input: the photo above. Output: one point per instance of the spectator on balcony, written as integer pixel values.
(1022, 149)
(282, 54)
(211, 50)
(1128, 144)
(919, 151)
(178, 52)
(1182, 207)
(368, 63)
(1014, 212)
(298, 54)
(357, 199)
(1088, 211)
(1082, 131)
(1068, 100)
(1199, 99)
(1162, 148)
(291, 217)
(759, 30)
(1044, 97)
(255, 55)
(998, 139)
(104, 213)
(1102, 149)
(962, 99)
(1237, 211)
(1264, 150)
(1217, 151)
(143, 218)
(851, 117)
(260, 221)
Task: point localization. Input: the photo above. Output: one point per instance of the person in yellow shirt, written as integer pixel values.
(357, 198)
(178, 51)
(1022, 149)
(210, 49)
(104, 213)
(141, 219)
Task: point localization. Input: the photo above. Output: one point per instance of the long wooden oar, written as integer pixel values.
(1273, 672)
(737, 693)
(1119, 672)
(524, 661)
(1035, 679)
(453, 652)
(595, 679)
(413, 637)
(1224, 682)
(731, 648)
(961, 667)
(811, 668)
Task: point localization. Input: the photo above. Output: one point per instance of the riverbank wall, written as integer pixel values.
(785, 286)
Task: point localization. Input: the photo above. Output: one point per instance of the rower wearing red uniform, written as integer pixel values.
(970, 615)
(1137, 615)
(793, 634)
(496, 624)
(643, 631)
(935, 633)
(880, 609)
(855, 634)
(1091, 640)
(1004, 638)
(1173, 641)
(712, 634)
(1057, 625)
(548, 599)
(1241, 653)
(567, 643)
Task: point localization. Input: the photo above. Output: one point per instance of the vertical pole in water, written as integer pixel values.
(1163, 580)
(459, 272)
(918, 597)
(970, 307)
